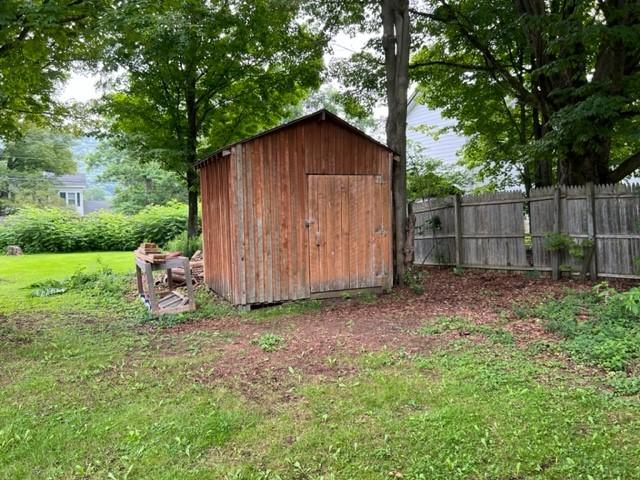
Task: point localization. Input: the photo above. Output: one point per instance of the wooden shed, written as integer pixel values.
(299, 211)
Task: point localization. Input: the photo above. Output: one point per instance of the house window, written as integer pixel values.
(70, 198)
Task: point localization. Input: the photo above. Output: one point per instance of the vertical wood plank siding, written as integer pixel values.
(255, 204)
(216, 214)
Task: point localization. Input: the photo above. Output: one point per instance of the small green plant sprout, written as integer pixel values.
(414, 278)
(268, 342)
(458, 270)
(603, 292)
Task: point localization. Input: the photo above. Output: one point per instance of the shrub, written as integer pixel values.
(109, 231)
(160, 223)
(42, 230)
(182, 244)
(62, 230)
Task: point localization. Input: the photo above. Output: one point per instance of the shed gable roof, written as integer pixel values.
(322, 114)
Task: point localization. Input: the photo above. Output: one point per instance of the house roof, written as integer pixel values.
(76, 180)
(322, 114)
(94, 205)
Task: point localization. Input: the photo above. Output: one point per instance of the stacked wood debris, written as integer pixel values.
(173, 302)
(150, 252)
(197, 271)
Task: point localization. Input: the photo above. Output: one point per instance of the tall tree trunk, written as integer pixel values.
(543, 171)
(192, 201)
(191, 157)
(395, 41)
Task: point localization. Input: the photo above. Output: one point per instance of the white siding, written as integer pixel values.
(447, 145)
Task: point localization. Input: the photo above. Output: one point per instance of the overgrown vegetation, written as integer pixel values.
(182, 243)
(61, 230)
(601, 327)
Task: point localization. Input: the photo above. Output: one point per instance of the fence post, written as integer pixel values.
(591, 230)
(457, 211)
(555, 257)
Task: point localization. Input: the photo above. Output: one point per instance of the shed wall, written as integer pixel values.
(218, 220)
(269, 198)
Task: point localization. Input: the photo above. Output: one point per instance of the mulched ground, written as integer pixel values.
(322, 343)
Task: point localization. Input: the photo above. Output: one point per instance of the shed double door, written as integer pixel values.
(348, 232)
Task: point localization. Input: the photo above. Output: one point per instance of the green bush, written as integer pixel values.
(160, 223)
(62, 230)
(42, 230)
(109, 231)
(181, 243)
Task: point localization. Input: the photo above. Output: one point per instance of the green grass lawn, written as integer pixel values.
(17, 273)
(101, 392)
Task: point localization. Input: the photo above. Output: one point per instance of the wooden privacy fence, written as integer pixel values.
(488, 230)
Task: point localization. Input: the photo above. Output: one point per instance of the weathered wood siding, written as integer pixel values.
(268, 197)
(217, 215)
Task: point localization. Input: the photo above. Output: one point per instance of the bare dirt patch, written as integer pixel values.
(323, 343)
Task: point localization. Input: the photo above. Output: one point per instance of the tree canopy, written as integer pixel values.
(137, 184)
(200, 74)
(551, 87)
(38, 41)
(27, 165)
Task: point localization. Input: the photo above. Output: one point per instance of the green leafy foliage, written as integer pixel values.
(562, 242)
(198, 75)
(38, 42)
(536, 90)
(42, 230)
(103, 282)
(268, 342)
(464, 326)
(414, 278)
(182, 243)
(601, 329)
(138, 184)
(27, 165)
(62, 230)
(160, 223)
(427, 177)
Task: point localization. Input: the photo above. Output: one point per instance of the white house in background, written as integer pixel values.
(448, 144)
(71, 190)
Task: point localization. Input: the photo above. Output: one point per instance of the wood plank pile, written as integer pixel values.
(197, 271)
(173, 302)
(150, 252)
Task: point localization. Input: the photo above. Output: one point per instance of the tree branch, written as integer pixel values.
(626, 168)
(446, 63)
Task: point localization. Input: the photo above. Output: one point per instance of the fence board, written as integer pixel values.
(492, 229)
